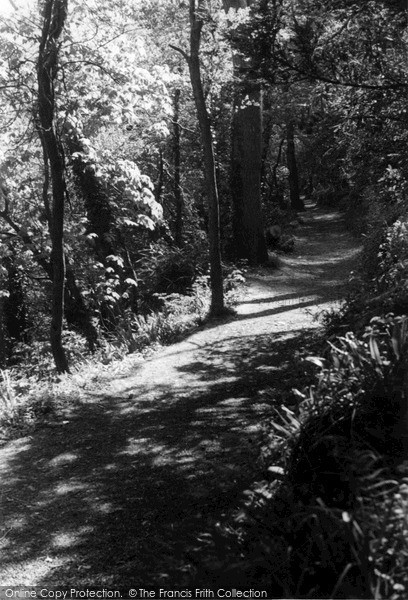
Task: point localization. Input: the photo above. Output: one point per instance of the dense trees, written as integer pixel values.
(290, 100)
(146, 143)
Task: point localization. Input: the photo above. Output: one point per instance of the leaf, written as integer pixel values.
(319, 362)
(131, 281)
(146, 222)
(374, 351)
(336, 361)
(113, 258)
(396, 340)
(276, 472)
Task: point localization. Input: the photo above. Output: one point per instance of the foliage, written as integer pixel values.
(331, 520)
(114, 102)
(30, 392)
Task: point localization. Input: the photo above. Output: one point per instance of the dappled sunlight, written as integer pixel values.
(67, 539)
(62, 459)
(123, 484)
(69, 487)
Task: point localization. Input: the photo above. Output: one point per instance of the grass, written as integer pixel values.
(32, 393)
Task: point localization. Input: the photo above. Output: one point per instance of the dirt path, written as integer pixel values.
(124, 490)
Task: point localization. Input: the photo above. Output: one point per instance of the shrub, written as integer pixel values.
(332, 521)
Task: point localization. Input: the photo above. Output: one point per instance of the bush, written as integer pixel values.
(332, 522)
(167, 270)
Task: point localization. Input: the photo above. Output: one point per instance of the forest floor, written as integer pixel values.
(125, 488)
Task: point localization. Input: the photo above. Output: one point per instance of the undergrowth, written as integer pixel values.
(330, 520)
(31, 391)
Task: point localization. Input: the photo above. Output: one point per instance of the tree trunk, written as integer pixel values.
(178, 197)
(108, 240)
(96, 199)
(54, 15)
(3, 349)
(217, 294)
(76, 311)
(246, 178)
(268, 124)
(246, 163)
(160, 179)
(296, 201)
(278, 190)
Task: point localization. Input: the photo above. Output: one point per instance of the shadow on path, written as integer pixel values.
(124, 489)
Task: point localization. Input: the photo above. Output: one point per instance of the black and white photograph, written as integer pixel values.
(204, 299)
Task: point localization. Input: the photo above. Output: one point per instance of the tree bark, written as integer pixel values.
(100, 214)
(246, 177)
(268, 124)
(296, 201)
(217, 293)
(3, 352)
(178, 197)
(246, 163)
(160, 179)
(54, 15)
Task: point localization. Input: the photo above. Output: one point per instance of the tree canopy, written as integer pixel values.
(303, 100)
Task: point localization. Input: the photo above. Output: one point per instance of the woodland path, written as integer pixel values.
(124, 489)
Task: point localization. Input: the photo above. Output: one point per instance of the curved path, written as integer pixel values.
(124, 489)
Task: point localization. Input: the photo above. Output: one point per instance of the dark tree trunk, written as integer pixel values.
(54, 16)
(279, 193)
(296, 201)
(160, 179)
(267, 135)
(178, 197)
(246, 161)
(246, 178)
(77, 312)
(100, 220)
(217, 294)
(3, 349)
(97, 205)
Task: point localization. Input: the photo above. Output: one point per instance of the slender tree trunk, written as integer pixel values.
(267, 135)
(178, 197)
(160, 179)
(196, 25)
(279, 194)
(3, 351)
(77, 312)
(246, 163)
(54, 16)
(296, 201)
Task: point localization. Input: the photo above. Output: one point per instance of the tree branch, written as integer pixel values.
(182, 52)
